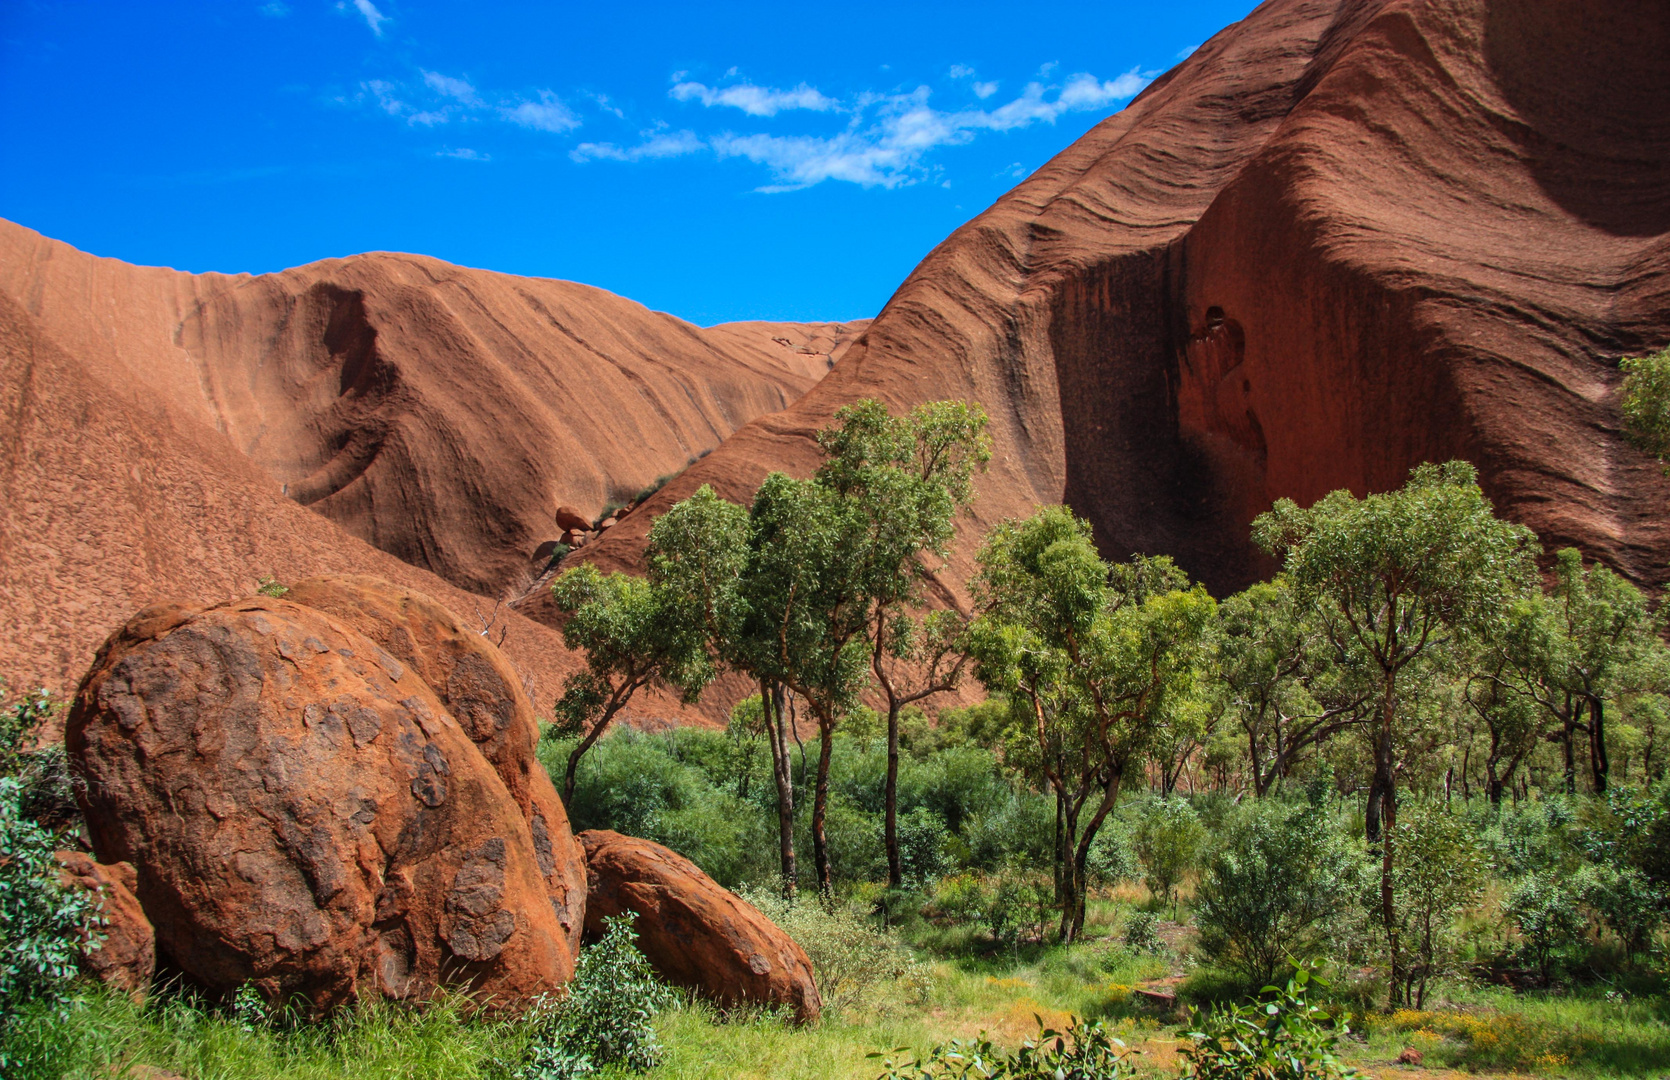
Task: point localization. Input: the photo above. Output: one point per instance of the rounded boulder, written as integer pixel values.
(695, 933)
(304, 814)
(480, 688)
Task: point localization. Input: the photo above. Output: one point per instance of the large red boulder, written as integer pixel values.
(480, 688)
(695, 933)
(126, 957)
(305, 814)
(570, 518)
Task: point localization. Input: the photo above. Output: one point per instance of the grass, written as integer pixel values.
(973, 985)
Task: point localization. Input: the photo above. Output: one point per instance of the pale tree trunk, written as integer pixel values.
(771, 701)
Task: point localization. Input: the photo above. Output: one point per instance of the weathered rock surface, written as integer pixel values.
(696, 934)
(126, 958)
(1343, 237)
(305, 814)
(481, 690)
(166, 432)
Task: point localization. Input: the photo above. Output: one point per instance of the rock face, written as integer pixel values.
(127, 957)
(1342, 238)
(482, 692)
(306, 814)
(433, 412)
(695, 933)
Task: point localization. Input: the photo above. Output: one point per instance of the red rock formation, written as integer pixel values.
(126, 956)
(1343, 237)
(483, 693)
(155, 421)
(305, 814)
(695, 933)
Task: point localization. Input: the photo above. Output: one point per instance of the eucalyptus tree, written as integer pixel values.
(1285, 683)
(837, 561)
(1396, 579)
(664, 626)
(1089, 656)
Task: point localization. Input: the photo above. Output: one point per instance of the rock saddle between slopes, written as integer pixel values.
(305, 814)
(694, 932)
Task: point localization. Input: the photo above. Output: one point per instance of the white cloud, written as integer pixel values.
(754, 100)
(275, 10)
(655, 144)
(373, 18)
(1186, 51)
(984, 90)
(464, 153)
(546, 114)
(961, 71)
(459, 90)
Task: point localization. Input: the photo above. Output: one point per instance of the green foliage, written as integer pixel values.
(269, 586)
(1441, 874)
(1645, 403)
(1141, 932)
(42, 923)
(1282, 1038)
(1085, 1051)
(856, 963)
(1278, 877)
(1166, 838)
(1544, 907)
(605, 1016)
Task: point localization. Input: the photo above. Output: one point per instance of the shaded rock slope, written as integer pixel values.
(1342, 238)
(172, 434)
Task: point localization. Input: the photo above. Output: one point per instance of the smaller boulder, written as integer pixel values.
(127, 958)
(1410, 1056)
(570, 518)
(695, 933)
(627, 509)
(606, 523)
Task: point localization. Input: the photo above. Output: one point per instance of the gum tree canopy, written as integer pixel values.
(1397, 579)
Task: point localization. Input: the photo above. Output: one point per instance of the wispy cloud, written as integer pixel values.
(1186, 51)
(459, 90)
(888, 137)
(546, 113)
(655, 144)
(754, 100)
(464, 153)
(368, 11)
(437, 98)
(275, 10)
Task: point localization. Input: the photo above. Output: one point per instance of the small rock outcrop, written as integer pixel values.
(126, 958)
(306, 814)
(695, 933)
(571, 519)
(481, 690)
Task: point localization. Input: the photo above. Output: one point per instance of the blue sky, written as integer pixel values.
(718, 161)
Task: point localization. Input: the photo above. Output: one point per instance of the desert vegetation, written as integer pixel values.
(1404, 802)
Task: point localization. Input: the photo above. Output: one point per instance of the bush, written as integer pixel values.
(1082, 1052)
(922, 836)
(1439, 872)
(853, 959)
(1628, 903)
(1279, 877)
(1018, 829)
(1283, 1038)
(42, 923)
(1543, 906)
(1165, 837)
(604, 1018)
(1141, 933)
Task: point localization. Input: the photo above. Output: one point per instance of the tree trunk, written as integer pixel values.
(1598, 765)
(820, 807)
(577, 753)
(771, 701)
(1386, 780)
(895, 865)
(1568, 730)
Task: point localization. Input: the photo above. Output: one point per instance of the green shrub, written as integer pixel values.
(1646, 403)
(1279, 876)
(922, 836)
(855, 961)
(1085, 1051)
(1282, 1038)
(1630, 905)
(1544, 907)
(42, 923)
(1166, 836)
(605, 1016)
(1018, 828)
(1141, 932)
(1439, 873)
